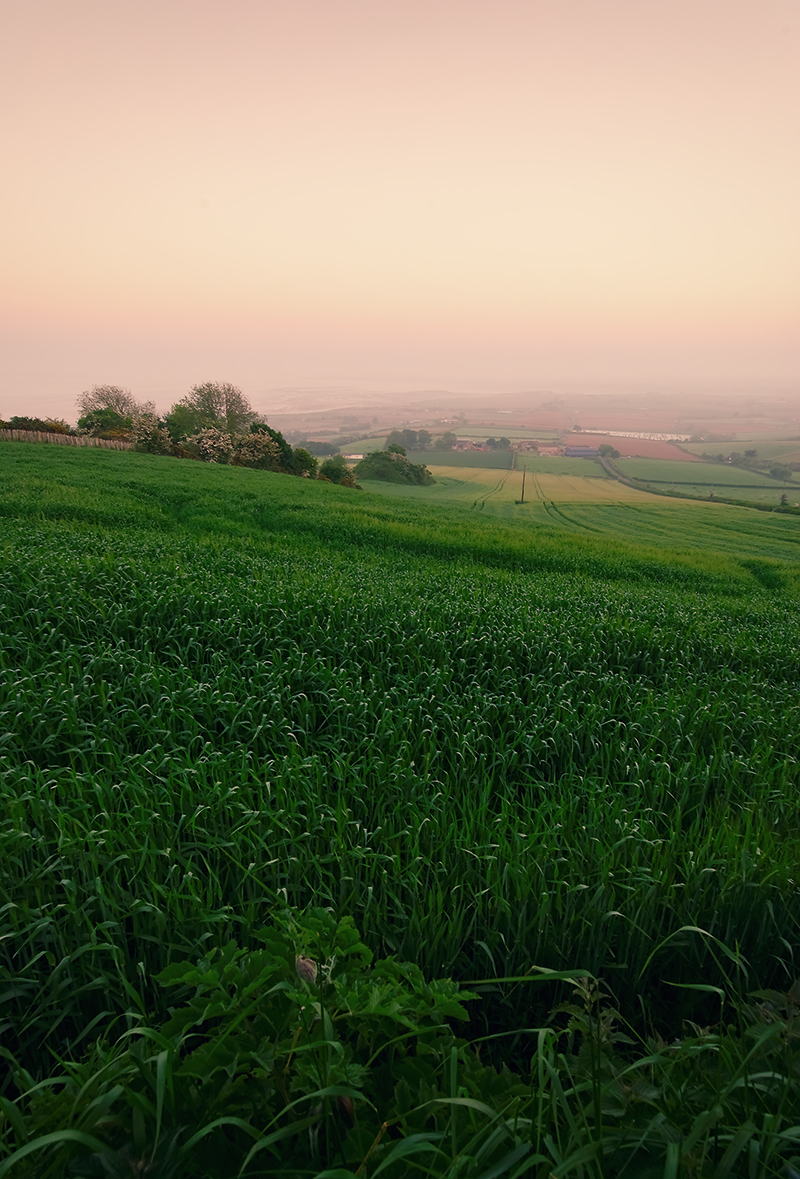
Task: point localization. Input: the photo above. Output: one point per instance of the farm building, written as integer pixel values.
(581, 452)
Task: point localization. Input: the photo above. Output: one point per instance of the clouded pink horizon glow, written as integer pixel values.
(389, 190)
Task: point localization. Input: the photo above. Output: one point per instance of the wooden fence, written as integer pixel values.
(64, 439)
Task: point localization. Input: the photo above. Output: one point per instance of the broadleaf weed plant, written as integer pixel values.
(301, 1052)
(306, 1057)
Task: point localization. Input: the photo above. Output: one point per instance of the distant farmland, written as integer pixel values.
(642, 447)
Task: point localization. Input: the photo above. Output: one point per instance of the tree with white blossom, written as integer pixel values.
(212, 405)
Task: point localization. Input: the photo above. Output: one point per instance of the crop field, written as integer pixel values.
(599, 506)
(498, 491)
(240, 711)
(462, 483)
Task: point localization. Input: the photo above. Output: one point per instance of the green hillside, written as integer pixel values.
(561, 738)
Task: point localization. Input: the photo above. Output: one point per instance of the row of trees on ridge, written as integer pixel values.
(214, 423)
(421, 440)
(424, 440)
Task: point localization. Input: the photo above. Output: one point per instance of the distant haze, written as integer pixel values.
(365, 199)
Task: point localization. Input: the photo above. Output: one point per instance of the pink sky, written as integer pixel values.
(437, 191)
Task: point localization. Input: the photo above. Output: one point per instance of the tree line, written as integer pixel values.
(424, 440)
(420, 440)
(213, 423)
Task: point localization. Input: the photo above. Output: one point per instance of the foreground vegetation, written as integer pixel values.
(265, 741)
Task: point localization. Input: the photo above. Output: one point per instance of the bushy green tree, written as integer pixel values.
(320, 449)
(446, 441)
(284, 453)
(336, 470)
(106, 423)
(392, 466)
(44, 425)
(181, 421)
(304, 462)
(410, 439)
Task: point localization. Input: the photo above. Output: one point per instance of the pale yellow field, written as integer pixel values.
(497, 489)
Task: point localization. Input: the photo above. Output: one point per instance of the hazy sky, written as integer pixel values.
(294, 191)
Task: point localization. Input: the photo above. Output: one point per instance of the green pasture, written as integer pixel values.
(784, 450)
(696, 474)
(503, 739)
(710, 480)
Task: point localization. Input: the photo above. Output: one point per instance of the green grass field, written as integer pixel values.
(711, 479)
(502, 738)
(783, 450)
(705, 474)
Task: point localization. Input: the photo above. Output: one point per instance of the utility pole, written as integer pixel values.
(524, 469)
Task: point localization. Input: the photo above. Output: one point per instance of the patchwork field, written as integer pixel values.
(649, 448)
(497, 740)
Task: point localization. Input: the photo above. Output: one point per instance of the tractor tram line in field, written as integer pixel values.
(482, 500)
(553, 511)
